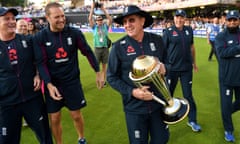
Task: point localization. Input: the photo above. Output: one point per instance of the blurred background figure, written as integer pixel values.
(22, 27)
(32, 29)
(212, 31)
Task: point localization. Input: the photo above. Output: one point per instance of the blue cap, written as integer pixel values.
(4, 10)
(233, 14)
(180, 13)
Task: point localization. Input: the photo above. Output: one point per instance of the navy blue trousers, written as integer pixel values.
(186, 83)
(35, 114)
(147, 128)
(228, 106)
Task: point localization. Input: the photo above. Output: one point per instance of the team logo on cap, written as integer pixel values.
(126, 10)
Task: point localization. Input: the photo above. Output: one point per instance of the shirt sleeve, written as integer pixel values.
(86, 50)
(41, 57)
(115, 75)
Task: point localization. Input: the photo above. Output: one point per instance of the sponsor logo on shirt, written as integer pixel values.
(130, 50)
(12, 53)
(61, 55)
(174, 33)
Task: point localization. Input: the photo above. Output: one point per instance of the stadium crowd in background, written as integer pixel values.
(197, 21)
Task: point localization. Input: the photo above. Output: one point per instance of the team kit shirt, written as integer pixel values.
(123, 53)
(57, 54)
(178, 45)
(17, 71)
(228, 49)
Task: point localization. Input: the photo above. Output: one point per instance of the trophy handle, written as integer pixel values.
(159, 100)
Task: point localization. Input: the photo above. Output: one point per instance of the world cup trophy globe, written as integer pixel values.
(145, 71)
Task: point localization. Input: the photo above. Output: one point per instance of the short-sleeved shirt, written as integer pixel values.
(100, 34)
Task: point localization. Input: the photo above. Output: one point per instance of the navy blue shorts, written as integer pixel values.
(34, 112)
(73, 97)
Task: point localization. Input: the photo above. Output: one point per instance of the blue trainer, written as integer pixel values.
(229, 136)
(82, 141)
(195, 127)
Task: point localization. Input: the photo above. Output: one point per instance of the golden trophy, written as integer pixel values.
(145, 71)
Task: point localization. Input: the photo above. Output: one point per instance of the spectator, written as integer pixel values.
(32, 29)
(212, 31)
(100, 38)
(22, 27)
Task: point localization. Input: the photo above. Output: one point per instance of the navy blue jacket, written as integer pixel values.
(228, 49)
(178, 44)
(122, 55)
(16, 79)
(57, 54)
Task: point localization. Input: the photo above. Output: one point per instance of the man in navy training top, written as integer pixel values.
(143, 115)
(20, 94)
(56, 48)
(227, 44)
(178, 40)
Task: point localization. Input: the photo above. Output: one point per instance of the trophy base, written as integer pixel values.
(177, 111)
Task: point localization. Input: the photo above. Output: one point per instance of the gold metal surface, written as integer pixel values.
(143, 65)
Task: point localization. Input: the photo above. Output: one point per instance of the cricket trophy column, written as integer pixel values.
(145, 72)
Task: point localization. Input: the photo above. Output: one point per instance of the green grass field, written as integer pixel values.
(104, 117)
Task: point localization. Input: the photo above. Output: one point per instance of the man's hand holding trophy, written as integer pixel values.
(148, 70)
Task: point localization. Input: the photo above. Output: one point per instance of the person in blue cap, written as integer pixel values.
(228, 49)
(144, 120)
(179, 42)
(20, 94)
